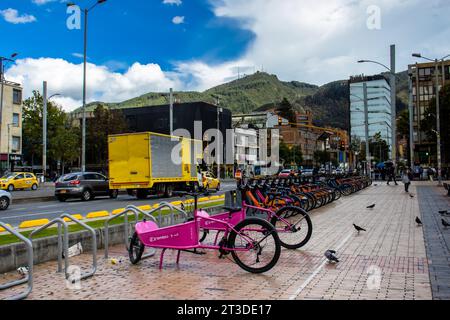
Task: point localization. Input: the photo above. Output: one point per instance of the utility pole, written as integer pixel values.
(393, 105)
(438, 123)
(171, 110)
(219, 149)
(366, 123)
(44, 131)
(411, 119)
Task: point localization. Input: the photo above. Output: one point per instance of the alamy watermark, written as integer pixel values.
(217, 145)
(373, 21)
(373, 277)
(73, 21)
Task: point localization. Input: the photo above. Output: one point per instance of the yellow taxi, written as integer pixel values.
(210, 182)
(19, 181)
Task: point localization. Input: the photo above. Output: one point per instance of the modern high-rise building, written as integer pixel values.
(379, 107)
(424, 90)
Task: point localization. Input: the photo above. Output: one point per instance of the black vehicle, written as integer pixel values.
(86, 186)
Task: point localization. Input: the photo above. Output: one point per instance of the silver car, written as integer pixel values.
(5, 199)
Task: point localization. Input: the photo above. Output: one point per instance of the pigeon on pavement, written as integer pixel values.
(445, 223)
(418, 221)
(443, 212)
(411, 195)
(358, 228)
(371, 206)
(330, 255)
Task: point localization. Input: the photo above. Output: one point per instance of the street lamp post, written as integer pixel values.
(438, 119)
(44, 128)
(83, 130)
(393, 98)
(366, 124)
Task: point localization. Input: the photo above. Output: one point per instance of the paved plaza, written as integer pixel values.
(392, 260)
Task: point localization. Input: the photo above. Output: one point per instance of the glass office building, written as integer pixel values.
(379, 107)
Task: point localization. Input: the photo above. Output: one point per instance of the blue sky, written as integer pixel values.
(139, 30)
(135, 46)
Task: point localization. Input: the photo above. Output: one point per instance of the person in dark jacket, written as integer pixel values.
(391, 174)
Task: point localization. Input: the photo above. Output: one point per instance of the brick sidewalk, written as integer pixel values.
(393, 246)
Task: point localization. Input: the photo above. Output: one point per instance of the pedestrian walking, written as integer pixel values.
(406, 179)
(391, 174)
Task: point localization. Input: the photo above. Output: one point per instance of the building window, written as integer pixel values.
(15, 144)
(15, 120)
(17, 96)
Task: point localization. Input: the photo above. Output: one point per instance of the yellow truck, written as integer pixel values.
(152, 163)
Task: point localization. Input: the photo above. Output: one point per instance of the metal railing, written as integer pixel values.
(94, 245)
(172, 208)
(129, 209)
(29, 277)
(63, 243)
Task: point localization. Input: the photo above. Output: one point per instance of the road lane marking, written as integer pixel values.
(311, 277)
(49, 206)
(32, 214)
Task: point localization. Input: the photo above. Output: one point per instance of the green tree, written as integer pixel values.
(105, 122)
(286, 110)
(322, 157)
(291, 155)
(379, 149)
(62, 138)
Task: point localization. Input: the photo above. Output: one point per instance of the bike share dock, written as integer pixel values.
(389, 261)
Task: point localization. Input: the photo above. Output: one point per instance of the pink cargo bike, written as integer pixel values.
(252, 242)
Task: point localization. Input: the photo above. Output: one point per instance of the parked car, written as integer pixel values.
(307, 172)
(19, 181)
(86, 186)
(5, 199)
(285, 173)
(210, 182)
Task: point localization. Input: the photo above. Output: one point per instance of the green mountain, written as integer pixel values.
(261, 91)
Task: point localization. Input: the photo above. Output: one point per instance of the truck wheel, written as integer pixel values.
(141, 194)
(131, 192)
(168, 191)
(113, 193)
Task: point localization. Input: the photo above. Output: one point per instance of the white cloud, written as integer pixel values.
(12, 16)
(78, 55)
(172, 2)
(103, 85)
(178, 20)
(42, 2)
(320, 41)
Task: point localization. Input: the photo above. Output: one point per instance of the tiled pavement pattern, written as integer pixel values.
(393, 245)
(437, 238)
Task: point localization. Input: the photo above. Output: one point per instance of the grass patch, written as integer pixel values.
(97, 224)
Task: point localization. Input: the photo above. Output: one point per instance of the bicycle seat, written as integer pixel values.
(232, 210)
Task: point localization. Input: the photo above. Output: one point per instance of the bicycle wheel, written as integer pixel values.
(136, 249)
(260, 239)
(294, 230)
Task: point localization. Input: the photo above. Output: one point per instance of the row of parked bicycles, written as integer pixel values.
(274, 214)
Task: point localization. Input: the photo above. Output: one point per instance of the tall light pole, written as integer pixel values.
(44, 128)
(83, 130)
(366, 124)
(438, 119)
(411, 120)
(393, 98)
(171, 111)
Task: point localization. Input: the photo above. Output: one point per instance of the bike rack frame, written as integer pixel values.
(29, 277)
(129, 209)
(163, 205)
(63, 243)
(94, 245)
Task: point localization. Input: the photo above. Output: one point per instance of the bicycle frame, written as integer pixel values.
(185, 236)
